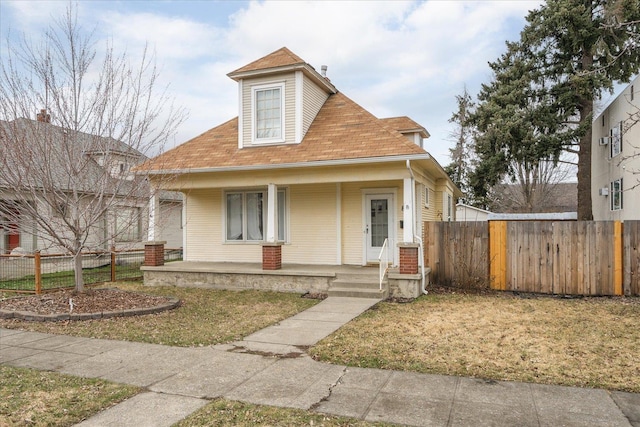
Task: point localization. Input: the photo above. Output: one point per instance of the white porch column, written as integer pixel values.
(408, 211)
(272, 214)
(154, 212)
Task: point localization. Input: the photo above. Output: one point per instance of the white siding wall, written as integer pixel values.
(313, 100)
(606, 169)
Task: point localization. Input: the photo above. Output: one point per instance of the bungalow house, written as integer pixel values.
(304, 184)
(46, 171)
(615, 158)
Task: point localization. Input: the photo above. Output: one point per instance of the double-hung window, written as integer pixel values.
(616, 195)
(268, 113)
(246, 216)
(616, 140)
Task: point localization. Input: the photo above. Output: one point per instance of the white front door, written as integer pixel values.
(379, 221)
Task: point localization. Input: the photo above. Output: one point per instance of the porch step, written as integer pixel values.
(361, 287)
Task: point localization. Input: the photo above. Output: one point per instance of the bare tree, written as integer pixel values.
(534, 187)
(67, 172)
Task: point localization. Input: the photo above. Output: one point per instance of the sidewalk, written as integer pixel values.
(178, 381)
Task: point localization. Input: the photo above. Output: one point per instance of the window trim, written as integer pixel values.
(282, 192)
(254, 113)
(619, 192)
(616, 140)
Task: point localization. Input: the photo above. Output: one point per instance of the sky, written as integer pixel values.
(394, 58)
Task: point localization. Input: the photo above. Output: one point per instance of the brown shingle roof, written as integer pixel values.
(341, 130)
(280, 58)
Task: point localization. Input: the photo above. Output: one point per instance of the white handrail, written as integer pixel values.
(383, 260)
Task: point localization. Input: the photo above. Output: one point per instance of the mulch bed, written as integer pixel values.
(90, 304)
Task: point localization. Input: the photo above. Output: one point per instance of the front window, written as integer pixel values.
(616, 195)
(246, 216)
(268, 107)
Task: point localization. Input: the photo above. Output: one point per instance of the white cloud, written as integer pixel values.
(392, 57)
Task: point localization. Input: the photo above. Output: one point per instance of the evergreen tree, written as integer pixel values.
(461, 154)
(540, 102)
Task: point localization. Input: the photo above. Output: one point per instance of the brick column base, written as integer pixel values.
(271, 256)
(408, 258)
(154, 253)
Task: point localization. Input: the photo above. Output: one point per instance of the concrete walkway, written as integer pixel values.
(178, 381)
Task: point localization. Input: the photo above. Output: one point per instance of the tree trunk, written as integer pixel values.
(77, 270)
(585, 109)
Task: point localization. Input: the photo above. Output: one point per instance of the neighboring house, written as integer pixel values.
(470, 213)
(615, 158)
(126, 222)
(307, 171)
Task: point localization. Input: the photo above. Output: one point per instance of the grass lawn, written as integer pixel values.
(588, 342)
(35, 398)
(222, 412)
(205, 317)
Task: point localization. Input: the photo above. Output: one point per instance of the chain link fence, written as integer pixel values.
(36, 273)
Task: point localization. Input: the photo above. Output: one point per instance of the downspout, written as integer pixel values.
(416, 238)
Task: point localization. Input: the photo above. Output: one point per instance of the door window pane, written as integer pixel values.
(379, 222)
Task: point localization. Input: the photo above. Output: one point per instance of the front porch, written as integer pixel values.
(335, 280)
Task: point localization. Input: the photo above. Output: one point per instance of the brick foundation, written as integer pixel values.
(408, 258)
(154, 253)
(272, 256)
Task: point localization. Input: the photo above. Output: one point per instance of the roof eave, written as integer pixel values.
(318, 163)
(307, 69)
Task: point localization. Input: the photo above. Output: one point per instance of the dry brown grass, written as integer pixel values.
(204, 317)
(590, 342)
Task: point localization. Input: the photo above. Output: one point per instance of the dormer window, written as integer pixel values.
(268, 113)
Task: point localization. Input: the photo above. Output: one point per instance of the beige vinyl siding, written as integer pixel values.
(205, 238)
(313, 100)
(289, 113)
(312, 225)
(201, 224)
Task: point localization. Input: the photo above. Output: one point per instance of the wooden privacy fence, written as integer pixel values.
(563, 257)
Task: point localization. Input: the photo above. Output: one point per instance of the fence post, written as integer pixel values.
(37, 265)
(498, 254)
(113, 263)
(618, 247)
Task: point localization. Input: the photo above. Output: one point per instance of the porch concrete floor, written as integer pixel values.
(256, 268)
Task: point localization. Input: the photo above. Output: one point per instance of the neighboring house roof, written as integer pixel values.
(341, 130)
(473, 208)
(67, 168)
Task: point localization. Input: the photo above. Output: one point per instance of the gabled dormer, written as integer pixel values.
(415, 132)
(279, 97)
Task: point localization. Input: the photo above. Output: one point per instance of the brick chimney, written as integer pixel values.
(43, 116)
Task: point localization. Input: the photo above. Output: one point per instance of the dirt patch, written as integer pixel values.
(68, 304)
